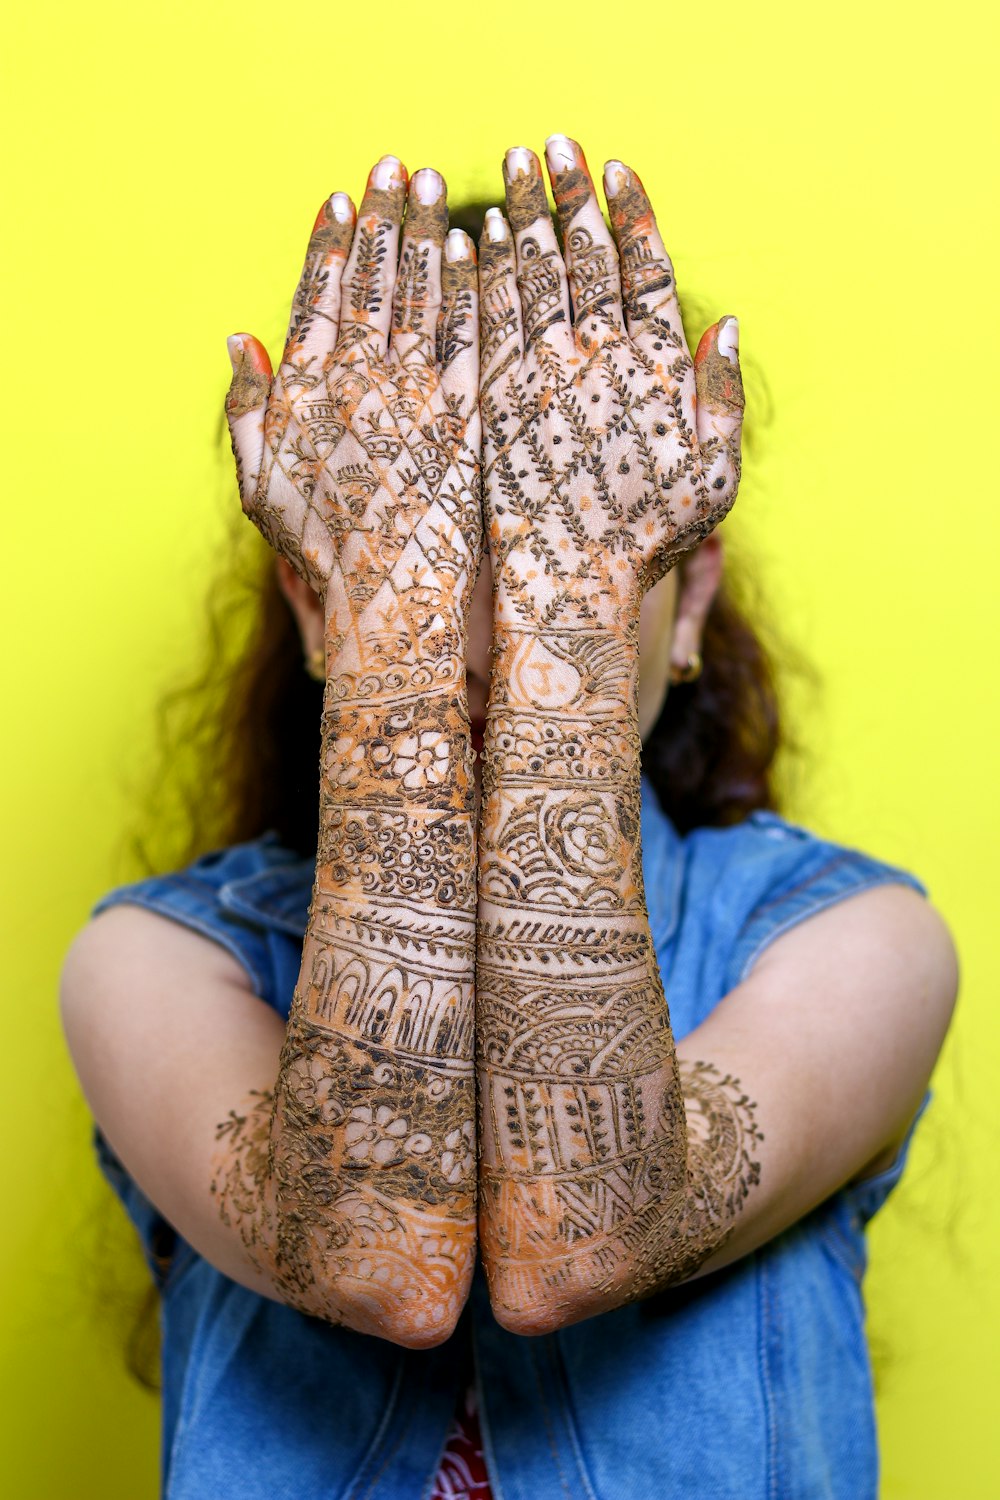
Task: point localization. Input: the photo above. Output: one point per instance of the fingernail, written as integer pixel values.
(495, 224)
(559, 153)
(520, 159)
(615, 177)
(340, 207)
(428, 185)
(387, 173)
(729, 339)
(234, 343)
(457, 245)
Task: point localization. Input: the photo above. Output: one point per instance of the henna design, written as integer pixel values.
(353, 1183)
(637, 1227)
(411, 287)
(458, 290)
(593, 275)
(607, 1170)
(539, 287)
(329, 243)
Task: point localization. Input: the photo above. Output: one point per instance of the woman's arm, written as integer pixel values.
(613, 1164)
(360, 465)
(600, 468)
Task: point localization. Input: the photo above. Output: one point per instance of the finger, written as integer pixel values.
(649, 291)
(416, 300)
(246, 404)
(312, 328)
(589, 250)
(458, 330)
(541, 271)
(500, 332)
(370, 274)
(720, 406)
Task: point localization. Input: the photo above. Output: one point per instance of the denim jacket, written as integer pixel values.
(750, 1383)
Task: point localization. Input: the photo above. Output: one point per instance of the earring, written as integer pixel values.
(690, 670)
(315, 664)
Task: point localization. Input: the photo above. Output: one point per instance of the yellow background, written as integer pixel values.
(821, 171)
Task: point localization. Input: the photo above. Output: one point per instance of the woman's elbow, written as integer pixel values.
(413, 1303)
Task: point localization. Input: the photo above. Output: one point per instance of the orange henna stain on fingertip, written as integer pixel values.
(717, 378)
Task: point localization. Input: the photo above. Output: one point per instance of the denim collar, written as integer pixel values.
(278, 896)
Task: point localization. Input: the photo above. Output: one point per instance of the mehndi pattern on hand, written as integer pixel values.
(606, 1171)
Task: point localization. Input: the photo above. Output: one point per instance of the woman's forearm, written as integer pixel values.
(353, 1181)
(372, 1137)
(590, 1195)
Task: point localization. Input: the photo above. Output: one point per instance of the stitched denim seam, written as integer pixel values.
(764, 1359)
(350, 1489)
(801, 913)
(485, 1431)
(192, 1392)
(546, 1416)
(832, 1238)
(572, 1425)
(189, 919)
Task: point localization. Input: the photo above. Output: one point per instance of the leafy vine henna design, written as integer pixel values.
(353, 1182)
(607, 1171)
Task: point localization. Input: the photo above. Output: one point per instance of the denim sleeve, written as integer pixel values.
(808, 875)
(812, 874)
(186, 898)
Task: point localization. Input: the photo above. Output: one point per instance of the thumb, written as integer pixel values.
(246, 403)
(719, 388)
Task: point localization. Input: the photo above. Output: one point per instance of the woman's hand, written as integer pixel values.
(607, 452)
(365, 446)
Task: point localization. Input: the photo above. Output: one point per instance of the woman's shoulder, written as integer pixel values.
(231, 894)
(739, 887)
(767, 851)
(210, 877)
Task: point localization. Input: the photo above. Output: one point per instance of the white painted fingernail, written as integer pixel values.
(615, 177)
(387, 173)
(519, 159)
(456, 246)
(729, 339)
(340, 207)
(428, 185)
(496, 225)
(559, 153)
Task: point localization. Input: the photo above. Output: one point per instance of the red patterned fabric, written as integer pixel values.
(462, 1472)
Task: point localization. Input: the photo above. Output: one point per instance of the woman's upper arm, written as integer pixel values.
(167, 1037)
(834, 1035)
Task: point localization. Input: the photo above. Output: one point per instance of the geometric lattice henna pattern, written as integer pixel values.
(606, 1171)
(353, 1182)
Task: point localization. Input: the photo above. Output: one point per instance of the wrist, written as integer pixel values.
(586, 671)
(395, 646)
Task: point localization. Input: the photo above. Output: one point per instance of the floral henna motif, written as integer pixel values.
(362, 469)
(607, 1171)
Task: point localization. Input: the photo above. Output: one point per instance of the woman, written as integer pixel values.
(653, 1086)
